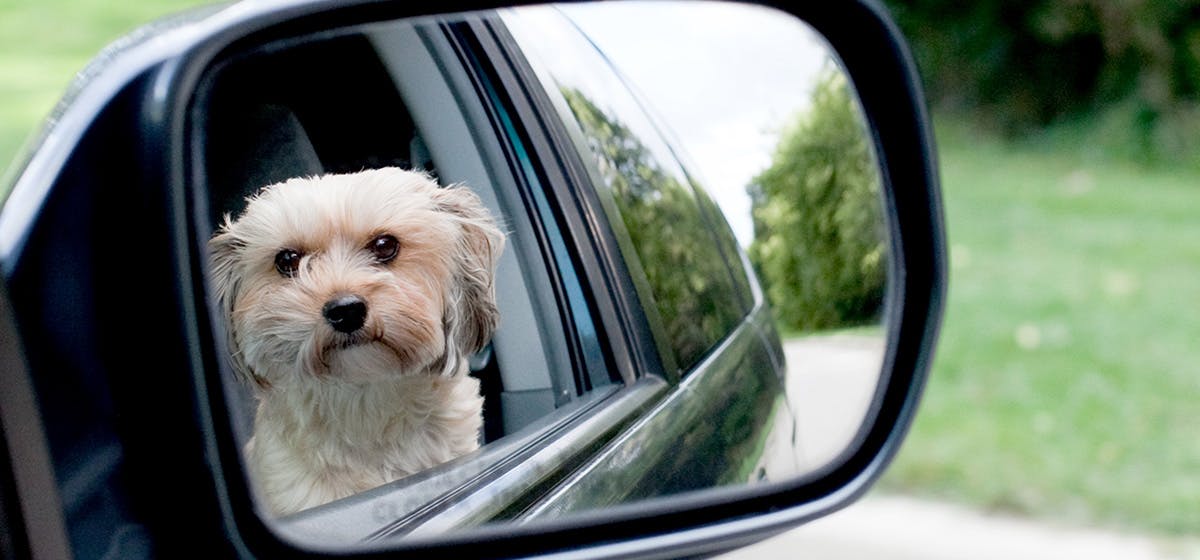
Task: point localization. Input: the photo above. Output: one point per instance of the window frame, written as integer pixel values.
(569, 183)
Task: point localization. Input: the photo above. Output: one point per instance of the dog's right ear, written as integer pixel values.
(224, 251)
(472, 315)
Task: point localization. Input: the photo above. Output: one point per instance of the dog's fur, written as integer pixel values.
(341, 413)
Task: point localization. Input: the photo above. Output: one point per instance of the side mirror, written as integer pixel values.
(637, 397)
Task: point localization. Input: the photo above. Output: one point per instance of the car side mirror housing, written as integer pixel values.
(124, 425)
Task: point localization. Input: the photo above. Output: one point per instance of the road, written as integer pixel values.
(831, 382)
(904, 528)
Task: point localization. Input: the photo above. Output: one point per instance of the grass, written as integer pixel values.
(1065, 382)
(43, 43)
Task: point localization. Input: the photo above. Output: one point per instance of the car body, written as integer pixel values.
(637, 358)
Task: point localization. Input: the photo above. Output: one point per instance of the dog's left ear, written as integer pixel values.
(471, 314)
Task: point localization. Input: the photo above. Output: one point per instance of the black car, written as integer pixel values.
(638, 397)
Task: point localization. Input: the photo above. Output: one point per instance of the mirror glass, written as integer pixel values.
(508, 266)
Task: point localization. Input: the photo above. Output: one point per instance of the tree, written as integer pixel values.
(820, 237)
(1021, 65)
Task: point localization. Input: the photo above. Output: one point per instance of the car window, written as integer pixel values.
(677, 237)
(396, 95)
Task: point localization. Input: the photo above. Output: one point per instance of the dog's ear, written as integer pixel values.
(471, 314)
(224, 251)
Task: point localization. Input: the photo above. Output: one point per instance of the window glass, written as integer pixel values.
(676, 244)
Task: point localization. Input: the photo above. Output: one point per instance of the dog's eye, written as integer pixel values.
(384, 247)
(287, 262)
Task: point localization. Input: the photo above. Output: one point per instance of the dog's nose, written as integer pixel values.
(346, 313)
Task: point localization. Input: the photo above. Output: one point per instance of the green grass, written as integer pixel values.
(1066, 381)
(43, 43)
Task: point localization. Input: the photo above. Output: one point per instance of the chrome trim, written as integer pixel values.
(492, 498)
(654, 434)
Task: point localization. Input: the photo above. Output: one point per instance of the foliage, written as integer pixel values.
(819, 229)
(1024, 64)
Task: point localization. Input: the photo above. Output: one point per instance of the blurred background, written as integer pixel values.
(1065, 387)
(1066, 383)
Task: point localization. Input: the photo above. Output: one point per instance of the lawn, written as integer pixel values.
(1065, 383)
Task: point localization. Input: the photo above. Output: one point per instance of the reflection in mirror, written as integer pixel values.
(726, 326)
(764, 120)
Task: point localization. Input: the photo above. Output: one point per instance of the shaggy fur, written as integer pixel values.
(339, 413)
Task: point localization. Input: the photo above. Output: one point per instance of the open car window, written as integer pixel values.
(382, 101)
(405, 94)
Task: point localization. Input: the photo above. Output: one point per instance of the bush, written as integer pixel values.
(819, 230)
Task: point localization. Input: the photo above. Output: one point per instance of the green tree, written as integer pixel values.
(819, 231)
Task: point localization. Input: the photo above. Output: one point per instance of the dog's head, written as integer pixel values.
(356, 277)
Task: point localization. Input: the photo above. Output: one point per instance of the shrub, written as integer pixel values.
(819, 230)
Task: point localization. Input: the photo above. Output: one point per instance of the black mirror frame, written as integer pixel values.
(879, 64)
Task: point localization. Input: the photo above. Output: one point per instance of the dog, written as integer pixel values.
(351, 304)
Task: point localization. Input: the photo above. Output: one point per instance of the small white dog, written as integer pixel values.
(352, 303)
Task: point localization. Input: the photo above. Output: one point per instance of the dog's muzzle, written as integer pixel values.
(345, 314)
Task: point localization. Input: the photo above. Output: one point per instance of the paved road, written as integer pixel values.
(831, 382)
(901, 528)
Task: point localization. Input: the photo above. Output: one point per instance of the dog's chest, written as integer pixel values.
(336, 444)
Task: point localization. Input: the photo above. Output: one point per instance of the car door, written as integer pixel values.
(705, 321)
